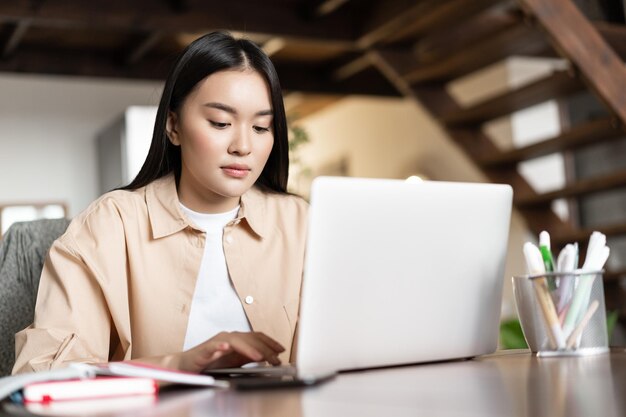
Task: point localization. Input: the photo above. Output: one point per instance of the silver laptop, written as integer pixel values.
(399, 272)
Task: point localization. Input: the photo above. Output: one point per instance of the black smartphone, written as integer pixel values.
(246, 382)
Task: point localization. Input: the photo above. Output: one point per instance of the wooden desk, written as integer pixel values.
(504, 384)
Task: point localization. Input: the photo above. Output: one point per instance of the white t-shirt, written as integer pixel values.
(215, 306)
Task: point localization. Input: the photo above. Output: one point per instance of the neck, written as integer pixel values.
(205, 201)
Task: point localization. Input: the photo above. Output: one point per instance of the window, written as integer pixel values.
(20, 212)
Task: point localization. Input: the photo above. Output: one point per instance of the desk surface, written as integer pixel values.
(503, 384)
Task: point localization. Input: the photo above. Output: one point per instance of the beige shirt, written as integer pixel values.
(118, 284)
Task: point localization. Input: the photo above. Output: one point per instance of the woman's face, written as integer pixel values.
(225, 133)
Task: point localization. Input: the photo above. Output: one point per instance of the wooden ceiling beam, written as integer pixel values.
(293, 77)
(329, 6)
(314, 9)
(177, 5)
(259, 18)
(147, 42)
(395, 20)
(386, 18)
(353, 67)
(16, 33)
(82, 63)
(319, 80)
(300, 105)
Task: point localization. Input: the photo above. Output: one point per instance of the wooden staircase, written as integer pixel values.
(454, 44)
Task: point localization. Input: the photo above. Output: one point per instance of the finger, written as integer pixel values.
(209, 348)
(274, 360)
(273, 344)
(268, 346)
(223, 346)
(229, 360)
(258, 343)
(218, 354)
(250, 348)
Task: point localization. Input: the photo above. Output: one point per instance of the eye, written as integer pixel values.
(219, 125)
(260, 129)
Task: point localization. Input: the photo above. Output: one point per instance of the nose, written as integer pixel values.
(240, 144)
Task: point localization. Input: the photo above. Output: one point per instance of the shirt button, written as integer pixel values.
(229, 239)
(249, 299)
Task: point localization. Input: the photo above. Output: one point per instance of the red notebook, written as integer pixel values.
(84, 372)
(83, 389)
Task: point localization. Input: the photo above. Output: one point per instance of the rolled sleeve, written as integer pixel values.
(72, 321)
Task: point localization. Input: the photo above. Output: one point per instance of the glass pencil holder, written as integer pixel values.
(562, 313)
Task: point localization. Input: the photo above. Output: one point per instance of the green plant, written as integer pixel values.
(298, 137)
(512, 336)
(611, 321)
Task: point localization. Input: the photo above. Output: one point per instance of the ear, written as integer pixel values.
(171, 128)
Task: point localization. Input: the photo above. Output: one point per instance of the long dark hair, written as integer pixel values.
(210, 53)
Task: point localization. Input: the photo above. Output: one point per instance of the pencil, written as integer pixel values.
(549, 313)
(535, 265)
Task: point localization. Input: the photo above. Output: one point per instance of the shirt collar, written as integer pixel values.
(167, 218)
(253, 210)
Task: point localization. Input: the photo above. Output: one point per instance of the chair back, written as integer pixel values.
(23, 250)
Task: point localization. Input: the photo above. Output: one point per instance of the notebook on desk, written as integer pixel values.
(399, 273)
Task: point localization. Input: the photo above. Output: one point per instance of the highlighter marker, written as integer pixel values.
(546, 254)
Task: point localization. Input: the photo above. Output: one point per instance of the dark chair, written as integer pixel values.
(23, 251)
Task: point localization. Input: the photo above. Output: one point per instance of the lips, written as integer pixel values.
(236, 170)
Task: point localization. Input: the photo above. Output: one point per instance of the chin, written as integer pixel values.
(235, 191)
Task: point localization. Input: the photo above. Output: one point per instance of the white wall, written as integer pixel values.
(48, 127)
(139, 125)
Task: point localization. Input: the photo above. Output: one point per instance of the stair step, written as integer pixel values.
(582, 187)
(588, 133)
(559, 84)
(520, 39)
(582, 235)
(614, 274)
(436, 15)
(441, 44)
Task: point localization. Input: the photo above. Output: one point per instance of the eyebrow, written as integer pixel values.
(231, 110)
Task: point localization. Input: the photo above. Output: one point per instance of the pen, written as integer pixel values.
(536, 267)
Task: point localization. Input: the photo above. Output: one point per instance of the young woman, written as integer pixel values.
(198, 262)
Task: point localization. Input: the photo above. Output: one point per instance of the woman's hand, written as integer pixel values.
(229, 350)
